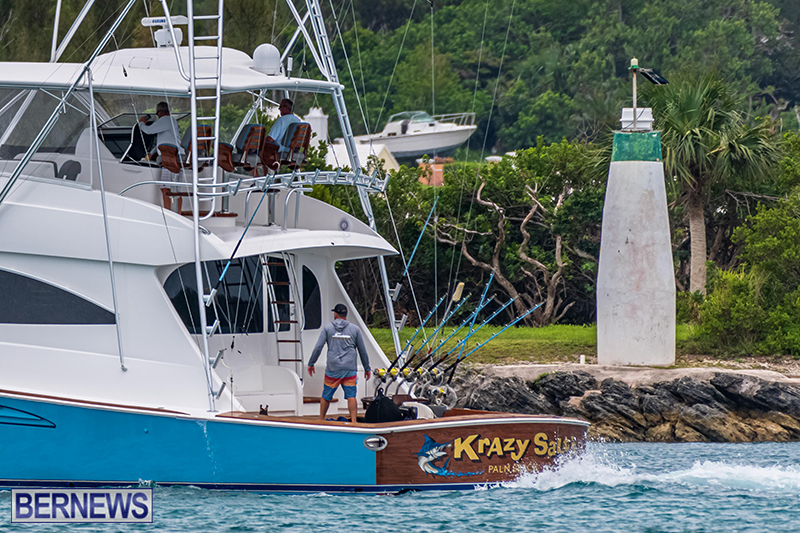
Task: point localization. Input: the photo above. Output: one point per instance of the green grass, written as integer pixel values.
(551, 344)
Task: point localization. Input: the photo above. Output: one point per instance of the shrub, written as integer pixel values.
(687, 307)
(732, 319)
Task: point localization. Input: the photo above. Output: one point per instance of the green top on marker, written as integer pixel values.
(636, 146)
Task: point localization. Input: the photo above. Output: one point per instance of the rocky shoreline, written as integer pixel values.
(644, 405)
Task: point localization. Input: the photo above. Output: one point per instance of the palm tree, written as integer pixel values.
(705, 142)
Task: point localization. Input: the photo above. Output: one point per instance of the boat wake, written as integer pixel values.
(599, 469)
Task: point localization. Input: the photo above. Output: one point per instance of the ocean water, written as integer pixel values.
(613, 487)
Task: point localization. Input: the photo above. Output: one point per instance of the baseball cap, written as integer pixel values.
(340, 309)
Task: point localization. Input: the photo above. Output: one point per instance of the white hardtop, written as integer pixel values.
(155, 71)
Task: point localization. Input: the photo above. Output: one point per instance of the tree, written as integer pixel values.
(705, 142)
(535, 225)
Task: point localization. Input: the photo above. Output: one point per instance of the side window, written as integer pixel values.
(29, 301)
(312, 306)
(239, 302)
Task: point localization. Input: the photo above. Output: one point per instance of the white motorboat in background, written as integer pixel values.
(412, 134)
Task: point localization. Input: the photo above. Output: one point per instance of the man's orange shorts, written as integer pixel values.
(348, 384)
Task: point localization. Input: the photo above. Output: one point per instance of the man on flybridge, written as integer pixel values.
(165, 128)
(281, 124)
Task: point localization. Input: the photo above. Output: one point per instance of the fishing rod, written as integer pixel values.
(452, 368)
(456, 297)
(471, 318)
(471, 333)
(440, 326)
(416, 333)
(408, 362)
(443, 342)
(491, 277)
(481, 304)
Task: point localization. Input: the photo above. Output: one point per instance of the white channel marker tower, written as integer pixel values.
(636, 278)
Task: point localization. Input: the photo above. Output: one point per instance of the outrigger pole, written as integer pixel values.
(327, 66)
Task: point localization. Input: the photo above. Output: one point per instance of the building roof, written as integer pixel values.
(337, 155)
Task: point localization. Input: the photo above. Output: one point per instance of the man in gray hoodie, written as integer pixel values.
(343, 339)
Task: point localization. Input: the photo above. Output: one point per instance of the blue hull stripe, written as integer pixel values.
(253, 487)
(104, 447)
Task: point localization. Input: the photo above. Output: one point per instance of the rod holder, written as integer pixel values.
(214, 362)
(209, 298)
(218, 393)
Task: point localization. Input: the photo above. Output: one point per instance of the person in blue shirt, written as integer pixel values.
(344, 341)
(281, 124)
(273, 145)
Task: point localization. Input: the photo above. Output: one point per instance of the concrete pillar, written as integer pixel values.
(635, 277)
(319, 125)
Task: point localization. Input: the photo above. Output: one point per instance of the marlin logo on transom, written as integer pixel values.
(432, 452)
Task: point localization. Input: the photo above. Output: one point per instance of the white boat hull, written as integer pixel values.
(412, 145)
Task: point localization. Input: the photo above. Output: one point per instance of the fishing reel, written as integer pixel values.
(425, 381)
(434, 376)
(408, 375)
(442, 395)
(382, 375)
(436, 394)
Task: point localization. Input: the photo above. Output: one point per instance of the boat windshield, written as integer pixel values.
(128, 120)
(413, 116)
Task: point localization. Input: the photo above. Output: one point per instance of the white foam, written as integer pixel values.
(588, 468)
(738, 476)
(595, 468)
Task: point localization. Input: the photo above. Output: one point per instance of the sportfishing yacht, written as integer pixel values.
(412, 134)
(159, 312)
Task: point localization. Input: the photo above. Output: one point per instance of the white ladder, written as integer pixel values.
(295, 317)
(207, 61)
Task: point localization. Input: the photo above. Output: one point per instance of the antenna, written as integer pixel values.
(645, 115)
(163, 36)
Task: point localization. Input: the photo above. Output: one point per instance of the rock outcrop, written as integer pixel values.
(725, 407)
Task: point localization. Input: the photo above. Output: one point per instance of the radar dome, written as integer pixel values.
(267, 60)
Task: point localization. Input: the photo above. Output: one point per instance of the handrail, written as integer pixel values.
(311, 177)
(250, 192)
(462, 119)
(175, 44)
(296, 207)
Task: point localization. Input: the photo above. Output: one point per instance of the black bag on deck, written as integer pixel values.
(382, 409)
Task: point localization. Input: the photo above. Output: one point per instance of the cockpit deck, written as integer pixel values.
(453, 415)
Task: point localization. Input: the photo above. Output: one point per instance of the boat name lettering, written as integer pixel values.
(473, 447)
(507, 468)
